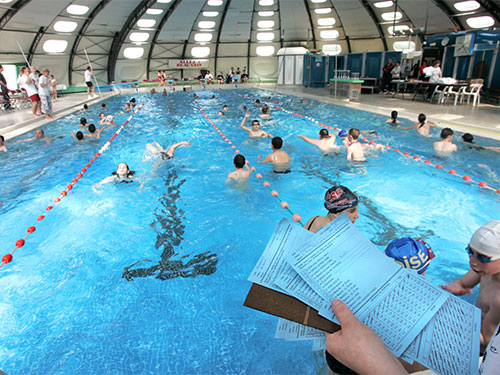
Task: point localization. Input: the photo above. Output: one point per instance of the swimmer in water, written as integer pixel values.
(39, 135)
(354, 149)
(133, 103)
(85, 107)
(423, 126)
(156, 149)
(265, 111)
(338, 200)
(127, 107)
(468, 139)
(394, 119)
(106, 120)
(445, 147)
(242, 172)
(3, 147)
(122, 174)
(279, 159)
(83, 122)
(255, 131)
(325, 143)
(103, 107)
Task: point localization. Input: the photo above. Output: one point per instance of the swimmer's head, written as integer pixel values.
(422, 118)
(354, 133)
(323, 133)
(277, 143)
(484, 249)
(127, 105)
(79, 135)
(245, 107)
(339, 199)
(122, 170)
(411, 253)
(304, 101)
(221, 113)
(446, 132)
(394, 115)
(39, 133)
(255, 124)
(103, 105)
(257, 101)
(83, 121)
(239, 161)
(85, 107)
(467, 137)
(92, 128)
(102, 115)
(343, 133)
(225, 108)
(2, 139)
(132, 100)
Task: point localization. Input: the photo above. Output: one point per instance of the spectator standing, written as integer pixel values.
(88, 80)
(44, 93)
(387, 75)
(26, 83)
(53, 87)
(4, 90)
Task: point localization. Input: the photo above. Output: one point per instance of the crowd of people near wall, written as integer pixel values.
(234, 76)
(424, 72)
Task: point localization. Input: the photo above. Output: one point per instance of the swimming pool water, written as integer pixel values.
(152, 280)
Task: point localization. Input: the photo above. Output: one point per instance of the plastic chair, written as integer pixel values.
(474, 92)
(457, 94)
(440, 93)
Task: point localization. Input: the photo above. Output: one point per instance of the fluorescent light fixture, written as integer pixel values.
(133, 52)
(392, 16)
(466, 6)
(265, 36)
(65, 26)
(331, 49)
(383, 4)
(265, 50)
(200, 51)
(214, 3)
(329, 34)
(55, 46)
(154, 11)
(326, 21)
(203, 37)
(480, 22)
(146, 22)
(266, 13)
(210, 14)
(139, 37)
(77, 10)
(206, 24)
(322, 10)
(265, 24)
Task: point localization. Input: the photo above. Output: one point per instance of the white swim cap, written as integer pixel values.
(486, 240)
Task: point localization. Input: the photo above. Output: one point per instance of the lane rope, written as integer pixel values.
(7, 258)
(453, 172)
(274, 193)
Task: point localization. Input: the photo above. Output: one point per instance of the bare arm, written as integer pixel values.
(430, 123)
(308, 140)
(26, 140)
(267, 159)
(463, 285)
(490, 321)
(242, 125)
(409, 127)
(349, 153)
(172, 148)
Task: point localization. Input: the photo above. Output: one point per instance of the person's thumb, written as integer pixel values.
(342, 312)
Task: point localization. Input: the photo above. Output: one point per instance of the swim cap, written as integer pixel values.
(486, 240)
(339, 198)
(343, 133)
(410, 253)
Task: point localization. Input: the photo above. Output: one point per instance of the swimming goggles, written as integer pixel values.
(480, 257)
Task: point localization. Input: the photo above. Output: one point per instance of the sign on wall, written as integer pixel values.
(188, 64)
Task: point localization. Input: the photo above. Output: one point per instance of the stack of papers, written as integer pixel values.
(416, 320)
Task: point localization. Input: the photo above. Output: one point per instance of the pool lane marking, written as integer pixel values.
(453, 172)
(7, 258)
(284, 204)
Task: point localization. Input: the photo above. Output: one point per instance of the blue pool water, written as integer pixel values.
(152, 280)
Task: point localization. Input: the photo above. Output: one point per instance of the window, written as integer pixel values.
(65, 26)
(77, 10)
(214, 3)
(480, 22)
(404, 46)
(265, 24)
(466, 6)
(55, 46)
(317, 1)
(391, 16)
(266, 3)
(322, 10)
(329, 34)
(266, 13)
(203, 37)
(139, 37)
(210, 14)
(200, 51)
(265, 50)
(164, 1)
(154, 11)
(332, 49)
(146, 22)
(5, 1)
(326, 21)
(265, 36)
(383, 4)
(398, 29)
(133, 52)
(206, 24)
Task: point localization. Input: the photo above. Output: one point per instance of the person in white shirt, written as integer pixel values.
(26, 83)
(434, 72)
(209, 77)
(88, 80)
(44, 93)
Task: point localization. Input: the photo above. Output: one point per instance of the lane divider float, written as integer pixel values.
(7, 258)
(283, 204)
(453, 172)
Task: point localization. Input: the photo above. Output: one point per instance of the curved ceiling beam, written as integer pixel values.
(449, 12)
(136, 14)
(157, 33)
(219, 32)
(308, 10)
(492, 8)
(12, 12)
(349, 50)
(81, 32)
(35, 42)
(373, 16)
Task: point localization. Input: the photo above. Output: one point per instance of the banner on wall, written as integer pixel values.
(188, 64)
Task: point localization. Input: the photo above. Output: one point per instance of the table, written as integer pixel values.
(350, 88)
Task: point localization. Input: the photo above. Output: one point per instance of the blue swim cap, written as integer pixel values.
(410, 253)
(343, 133)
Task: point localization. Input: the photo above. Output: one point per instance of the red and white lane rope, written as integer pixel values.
(453, 172)
(266, 184)
(7, 258)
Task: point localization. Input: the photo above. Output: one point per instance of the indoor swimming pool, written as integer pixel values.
(150, 277)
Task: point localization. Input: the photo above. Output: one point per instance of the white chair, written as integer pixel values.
(440, 93)
(474, 92)
(457, 94)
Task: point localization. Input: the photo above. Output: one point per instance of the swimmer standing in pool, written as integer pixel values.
(423, 126)
(279, 159)
(355, 149)
(242, 172)
(255, 131)
(325, 143)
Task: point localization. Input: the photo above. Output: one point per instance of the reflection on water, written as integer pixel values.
(170, 231)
